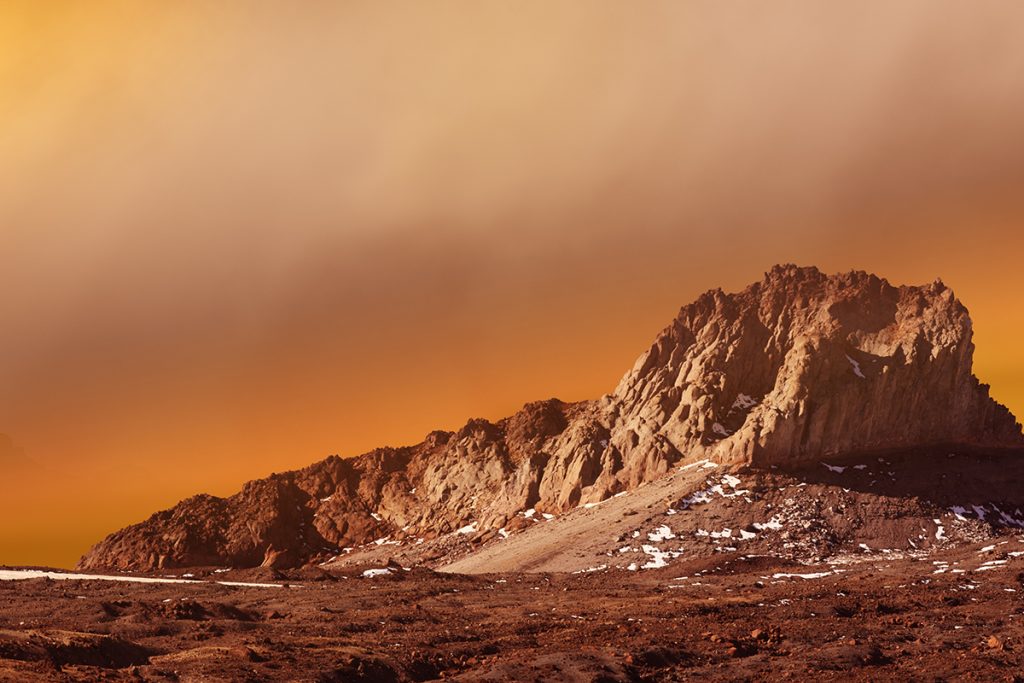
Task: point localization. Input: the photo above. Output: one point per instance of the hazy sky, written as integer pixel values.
(240, 236)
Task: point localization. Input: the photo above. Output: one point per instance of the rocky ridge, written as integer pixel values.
(798, 367)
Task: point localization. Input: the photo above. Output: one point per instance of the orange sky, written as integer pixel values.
(240, 236)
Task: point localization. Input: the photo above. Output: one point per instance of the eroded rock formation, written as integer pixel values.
(797, 367)
(803, 365)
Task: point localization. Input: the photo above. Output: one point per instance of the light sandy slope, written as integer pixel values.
(579, 539)
(572, 541)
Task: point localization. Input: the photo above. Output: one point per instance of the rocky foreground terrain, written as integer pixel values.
(801, 479)
(902, 567)
(948, 616)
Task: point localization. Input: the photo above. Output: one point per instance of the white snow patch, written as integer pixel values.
(743, 402)
(248, 584)
(659, 557)
(834, 468)
(731, 480)
(376, 517)
(718, 428)
(468, 529)
(698, 463)
(1008, 520)
(814, 575)
(940, 531)
(991, 564)
(706, 495)
(371, 573)
(773, 524)
(662, 533)
(21, 574)
(695, 498)
(856, 368)
(529, 513)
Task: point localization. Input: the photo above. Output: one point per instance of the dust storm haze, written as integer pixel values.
(239, 237)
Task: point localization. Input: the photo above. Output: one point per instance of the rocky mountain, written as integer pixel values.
(796, 368)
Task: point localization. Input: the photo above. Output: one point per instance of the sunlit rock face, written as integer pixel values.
(802, 365)
(795, 368)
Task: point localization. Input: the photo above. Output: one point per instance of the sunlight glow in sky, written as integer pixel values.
(239, 236)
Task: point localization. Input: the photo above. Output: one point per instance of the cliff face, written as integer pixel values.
(802, 365)
(797, 367)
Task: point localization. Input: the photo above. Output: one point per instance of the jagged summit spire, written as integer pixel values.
(802, 365)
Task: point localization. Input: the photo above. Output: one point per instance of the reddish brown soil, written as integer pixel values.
(729, 620)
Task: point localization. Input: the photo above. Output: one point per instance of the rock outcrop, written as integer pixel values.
(797, 367)
(802, 366)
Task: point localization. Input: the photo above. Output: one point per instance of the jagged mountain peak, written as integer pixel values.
(803, 365)
(796, 367)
